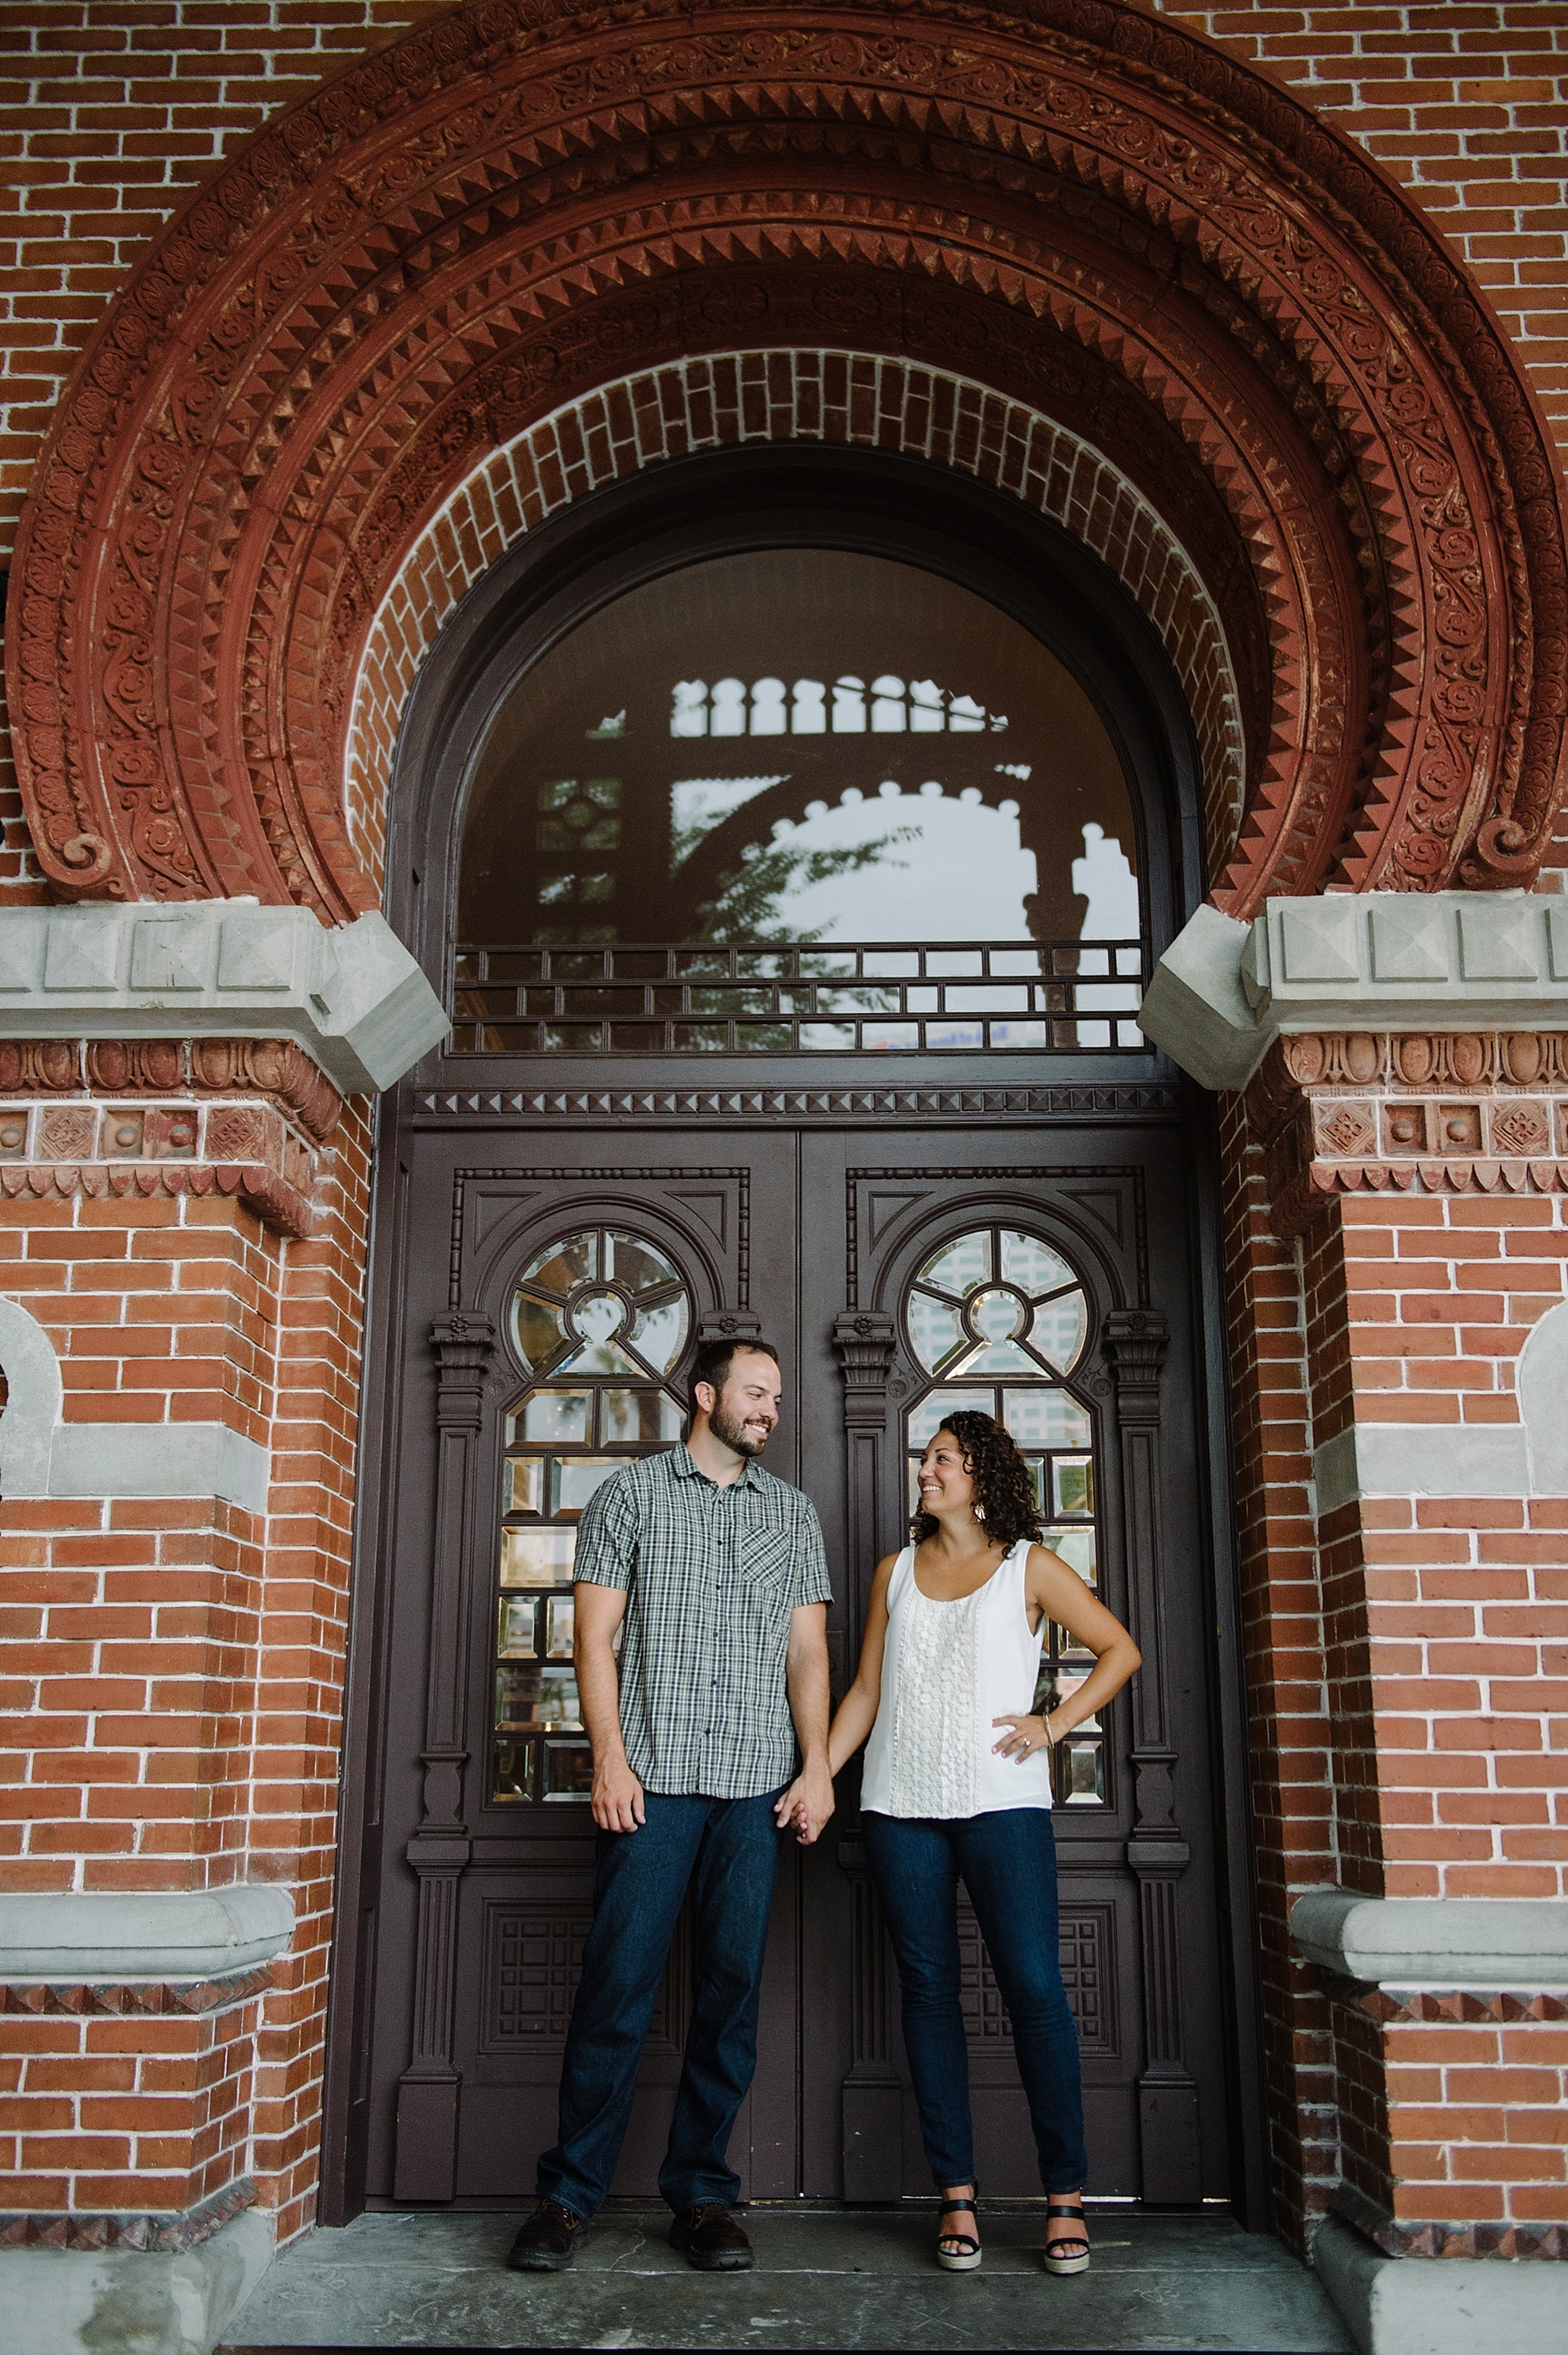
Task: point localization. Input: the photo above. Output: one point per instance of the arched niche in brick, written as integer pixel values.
(1083, 208)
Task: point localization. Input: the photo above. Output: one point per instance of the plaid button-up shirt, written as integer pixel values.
(711, 1576)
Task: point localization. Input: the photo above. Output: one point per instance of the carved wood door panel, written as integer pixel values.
(1054, 1290)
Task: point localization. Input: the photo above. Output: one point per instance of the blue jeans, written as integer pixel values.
(1007, 1863)
(727, 1851)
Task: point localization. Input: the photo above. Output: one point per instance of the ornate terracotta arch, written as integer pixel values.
(1088, 209)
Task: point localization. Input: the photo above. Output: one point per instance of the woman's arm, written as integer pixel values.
(1059, 1594)
(857, 1712)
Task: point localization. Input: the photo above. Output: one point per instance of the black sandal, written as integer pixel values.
(965, 2255)
(1076, 2260)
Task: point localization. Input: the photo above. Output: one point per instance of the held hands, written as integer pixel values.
(1027, 1735)
(806, 1805)
(617, 1798)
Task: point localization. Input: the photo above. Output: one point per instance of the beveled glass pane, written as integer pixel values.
(568, 1770)
(927, 1419)
(561, 1415)
(514, 1772)
(523, 1485)
(1031, 1266)
(538, 1556)
(1084, 1775)
(769, 784)
(935, 1331)
(536, 1329)
(515, 1635)
(659, 1333)
(1076, 1548)
(562, 1264)
(536, 1699)
(636, 1266)
(1045, 1418)
(958, 1267)
(638, 1418)
(1073, 1476)
(558, 1617)
(576, 1478)
(1059, 1329)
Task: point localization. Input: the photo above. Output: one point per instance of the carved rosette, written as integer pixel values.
(1270, 339)
(1457, 1112)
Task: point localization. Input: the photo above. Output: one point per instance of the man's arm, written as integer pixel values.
(808, 1802)
(617, 1794)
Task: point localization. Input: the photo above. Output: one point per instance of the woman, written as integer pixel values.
(958, 1786)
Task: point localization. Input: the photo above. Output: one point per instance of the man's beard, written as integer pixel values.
(733, 1432)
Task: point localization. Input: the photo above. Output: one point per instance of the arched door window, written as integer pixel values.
(798, 801)
(600, 1318)
(998, 1320)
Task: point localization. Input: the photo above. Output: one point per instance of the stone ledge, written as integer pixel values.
(1454, 2305)
(1408, 1943)
(142, 2301)
(63, 1936)
(1389, 961)
(353, 999)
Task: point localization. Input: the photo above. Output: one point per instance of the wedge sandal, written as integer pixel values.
(1065, 2252)
(965, 2255)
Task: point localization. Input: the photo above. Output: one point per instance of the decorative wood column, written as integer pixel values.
(427, 2090)
(872, 2091)
(1135, 1342)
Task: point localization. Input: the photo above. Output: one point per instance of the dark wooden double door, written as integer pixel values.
(552, 1287)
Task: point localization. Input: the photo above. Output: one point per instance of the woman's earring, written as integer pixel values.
(979, 1512)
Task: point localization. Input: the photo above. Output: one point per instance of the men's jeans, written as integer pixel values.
(1007, 1863)
(727, 1850)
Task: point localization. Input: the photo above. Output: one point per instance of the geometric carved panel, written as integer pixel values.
(532, 1963)
(1086, 1945)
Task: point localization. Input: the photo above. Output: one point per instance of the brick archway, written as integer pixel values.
(1091, 212)
(839, 397)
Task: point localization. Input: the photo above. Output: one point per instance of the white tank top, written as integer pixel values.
(947, 1671)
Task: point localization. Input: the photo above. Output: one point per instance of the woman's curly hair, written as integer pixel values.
(1005, 1493)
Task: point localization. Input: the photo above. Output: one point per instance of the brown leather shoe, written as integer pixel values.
(547, 2240)
(710, 2239)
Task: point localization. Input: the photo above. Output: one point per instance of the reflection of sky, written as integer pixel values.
(962, 875)
(705, 802)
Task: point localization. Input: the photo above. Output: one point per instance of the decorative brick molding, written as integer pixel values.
(834, 395)
(241, 1118)
(1411, 2237)
(1362, 1110)
(150, 1999)
(152, 2232)
(468, 229)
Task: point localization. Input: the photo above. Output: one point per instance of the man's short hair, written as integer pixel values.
(714, 1359)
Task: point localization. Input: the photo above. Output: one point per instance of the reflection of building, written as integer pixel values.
(533, 386)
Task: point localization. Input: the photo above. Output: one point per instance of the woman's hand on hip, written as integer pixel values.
(1024, 1738)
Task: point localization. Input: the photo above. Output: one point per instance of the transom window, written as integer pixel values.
(601, 1319)
(693, 794)
(998, 1320)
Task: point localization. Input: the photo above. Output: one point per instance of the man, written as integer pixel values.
(714, 1574)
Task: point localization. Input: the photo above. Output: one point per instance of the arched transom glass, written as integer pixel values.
(796, 801)
(600, 1320)
(998, 1320)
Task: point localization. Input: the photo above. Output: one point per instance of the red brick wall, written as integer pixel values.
(1409, 1700)
(171, 1671)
